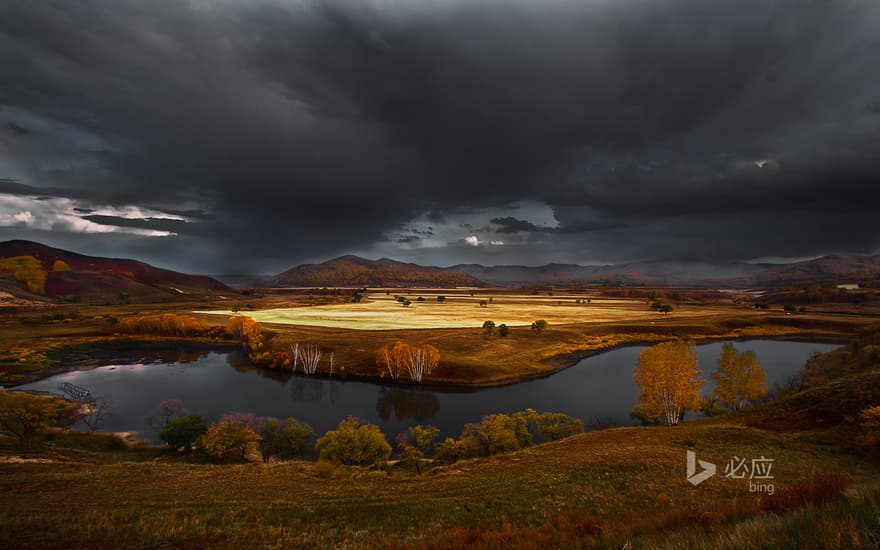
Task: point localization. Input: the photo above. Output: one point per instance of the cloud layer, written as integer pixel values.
(253, 135)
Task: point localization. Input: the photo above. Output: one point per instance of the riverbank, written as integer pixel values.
(470, 358)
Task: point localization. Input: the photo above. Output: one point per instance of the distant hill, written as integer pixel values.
(662, 272)
(828, 269)
(355, 271)
(31, 269)
(350, 271)
(696, 273)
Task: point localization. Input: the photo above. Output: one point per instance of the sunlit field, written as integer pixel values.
(381, 311)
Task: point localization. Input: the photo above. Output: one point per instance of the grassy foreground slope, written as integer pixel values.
(603, 489)
(595, 490)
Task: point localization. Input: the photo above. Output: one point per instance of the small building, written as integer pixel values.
(849, 286)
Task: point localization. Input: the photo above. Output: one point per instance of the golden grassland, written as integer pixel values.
(31, 348)
(381, 311)
(597, 490)
(622, 487)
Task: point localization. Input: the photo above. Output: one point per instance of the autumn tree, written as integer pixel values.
(183, 432)
(488, 327)
(354, 442)
(168, 323)
(503, 330)
(539, 326)
(740, 378)
(417, 361)
(450, 450)
(670, 381)
(415, 443)
(28, 270)
(25, 415)
(496, 433)
(250, 334)
(286, 440)
(168, 410)
(229, 439)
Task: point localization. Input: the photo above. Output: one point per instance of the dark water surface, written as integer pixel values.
(214, 384)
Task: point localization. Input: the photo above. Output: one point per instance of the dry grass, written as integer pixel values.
(32, 349)
(585, 491)
(461, 310)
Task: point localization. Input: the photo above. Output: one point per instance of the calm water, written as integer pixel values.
(215, 384)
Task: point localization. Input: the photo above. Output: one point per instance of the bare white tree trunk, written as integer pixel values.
(331, 363)
(311, 356)
(294, 351)
(390, 363)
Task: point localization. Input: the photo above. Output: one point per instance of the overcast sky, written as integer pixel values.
(235, 136)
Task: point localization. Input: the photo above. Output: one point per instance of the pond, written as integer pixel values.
(214, 384)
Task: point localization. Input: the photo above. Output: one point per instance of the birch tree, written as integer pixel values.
(311, 357)
(670, 382)
(740, 378)
(294, 352)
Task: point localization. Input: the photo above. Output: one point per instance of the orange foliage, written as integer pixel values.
(250, 333)
(60, 265)
(670, 381)
(417, 361)
(168, 323)
(28, 270)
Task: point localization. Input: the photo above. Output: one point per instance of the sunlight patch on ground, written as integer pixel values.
(382, 312)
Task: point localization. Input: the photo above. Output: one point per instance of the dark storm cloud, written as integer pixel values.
(509, 224)
(294, 130)
(159, 224)
(17, 130)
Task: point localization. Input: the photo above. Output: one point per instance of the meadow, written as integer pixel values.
(463, 309)
(618, 487)
(69, 336)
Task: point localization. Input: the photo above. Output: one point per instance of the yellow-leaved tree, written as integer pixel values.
(740, 378)
(670, 382)
(28, 270)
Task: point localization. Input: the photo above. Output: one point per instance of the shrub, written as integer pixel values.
(167, 324)
(499, 433)
(325, 469)
(286, 440)
(503, 330)
(26, 415)
(496, 433)
(870, 421)
(450, 450)
(228, 439)
(184, 432)
(60, 265)
(549, 426)
(354, 442)
(539, 326)
(250, 334)
(28, 270)
(415, 443)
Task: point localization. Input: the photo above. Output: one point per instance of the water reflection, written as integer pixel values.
(307, 390)
(416, 404)
(216, 384)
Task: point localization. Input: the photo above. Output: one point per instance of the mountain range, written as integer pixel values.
(354, 271)
(36, 271)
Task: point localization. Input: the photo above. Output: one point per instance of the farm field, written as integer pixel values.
(381, 311)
